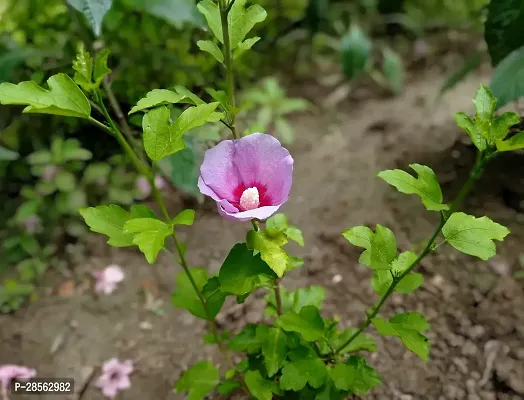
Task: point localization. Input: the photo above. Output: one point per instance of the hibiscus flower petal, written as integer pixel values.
(261, 159)
(218, 171)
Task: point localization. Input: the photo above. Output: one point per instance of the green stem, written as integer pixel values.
(228, 62)
(139, 164)
(476, 172)
(278, 297)
(121, 117)
(146, 170)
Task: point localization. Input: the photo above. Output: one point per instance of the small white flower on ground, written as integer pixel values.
(115, 377)
(108, 278)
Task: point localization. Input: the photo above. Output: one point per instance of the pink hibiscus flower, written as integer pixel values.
(9, 372)
(249, 178)
(115, 376)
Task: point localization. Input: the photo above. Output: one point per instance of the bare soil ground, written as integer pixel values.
(475, 308)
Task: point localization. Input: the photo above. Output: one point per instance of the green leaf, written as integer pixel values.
(199, 380)
(473, 236)
(174, 12)
(83, 65)
(407, 327)
(194, 117)
(260, 388)
(507, 81)
(383, 248)
(303, 368)
(465, 122)
(95, 171)
(189, 97)
(500, 125)
(39, 157)
(516, 142)
(211, 48)
(426, 185)
(246, 340)
(62, 98)
(328, 391)
(274, 350)
(162, 138)
(311, 296)
(242, 272)
(109, 221)
(149, 235)
(470, 64)
(355, 376)
(185, 296)
(157, 97)
(485, 104)
(100, 69)
(8, 155)
(211, 13)
(503, 28)
(244, 46)
(242, 20)
(361, 343)
(269, 245)
(184, 217)
(393, 70)
(65, 181)
(94, 10)
(227, 387)
(355, 52)
(359, 236)
(280, 223)
(308, 323)
(382, 280)
(141, 211)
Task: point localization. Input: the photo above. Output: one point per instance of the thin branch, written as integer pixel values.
(464, 191)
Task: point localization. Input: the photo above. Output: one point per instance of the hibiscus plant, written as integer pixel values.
(301, 354)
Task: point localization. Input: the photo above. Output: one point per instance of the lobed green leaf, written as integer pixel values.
(109, 221)
(426, 185)
(185, 297)
(157, 97)
(62, 98)
(269, 245)
(242, 271)
(304, 367)
(308, 323)
(355, 376)
(149, 235)
(199, 380)
(259, 387)
(407, 327)
(473, 236)
(211, 48)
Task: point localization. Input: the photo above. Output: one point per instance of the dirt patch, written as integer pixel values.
(474, 308)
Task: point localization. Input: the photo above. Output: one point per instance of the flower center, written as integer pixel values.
(250, 199)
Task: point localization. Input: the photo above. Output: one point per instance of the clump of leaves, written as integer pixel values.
(269, 107)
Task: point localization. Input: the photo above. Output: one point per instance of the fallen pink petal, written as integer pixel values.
(115, 377)
(108, 278)
(249, 178)
(9, 372)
